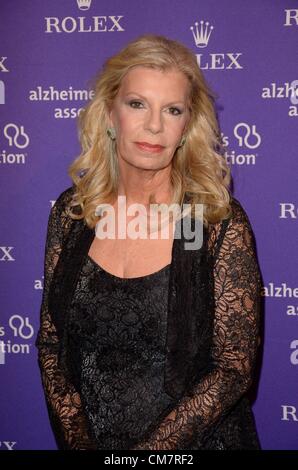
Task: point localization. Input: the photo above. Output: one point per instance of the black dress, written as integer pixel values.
(117, 335)
(117, 356)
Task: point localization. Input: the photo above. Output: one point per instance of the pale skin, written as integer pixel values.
(151, 106)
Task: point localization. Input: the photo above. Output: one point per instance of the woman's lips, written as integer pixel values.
(148, 147)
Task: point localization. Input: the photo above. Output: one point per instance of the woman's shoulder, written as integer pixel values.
(64, 198)
(236, 225)
(239, 217)
(59, 218)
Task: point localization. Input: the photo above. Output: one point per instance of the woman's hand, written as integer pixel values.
(161, 438)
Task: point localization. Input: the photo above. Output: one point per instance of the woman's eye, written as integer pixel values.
(131, 103)
(175, 111)
(138, 104)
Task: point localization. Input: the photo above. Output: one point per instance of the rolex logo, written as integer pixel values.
(201, 33)
(84, 4)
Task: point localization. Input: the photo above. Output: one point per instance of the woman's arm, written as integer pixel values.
(63, 401)
(235, 342)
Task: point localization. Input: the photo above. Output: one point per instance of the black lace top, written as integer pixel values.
(117, 335)
(102, 368)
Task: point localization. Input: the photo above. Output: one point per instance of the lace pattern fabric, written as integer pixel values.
(215, 412)
(117, 329)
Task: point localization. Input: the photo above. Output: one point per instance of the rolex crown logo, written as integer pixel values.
(201, 33)
(84, 4)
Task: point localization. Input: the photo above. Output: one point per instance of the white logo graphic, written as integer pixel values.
(201, 33)
(291, 17)
(21, 329)
(6, 253)
(16, 134)
(288, 210)
(287, 90)
(84, 4)
(2, 92)
(2, 66)
(289, 413)
(282, 291)
(216, 61)
(2, 353)
(18, 330)
(248, 131)
(294, 94)
(7, 445)
(247, 137)
(294, 354)
(82, 24)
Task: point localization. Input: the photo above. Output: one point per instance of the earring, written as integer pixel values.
(182, 142)
(111, 133)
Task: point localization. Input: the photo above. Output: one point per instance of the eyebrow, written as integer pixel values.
(143, 97)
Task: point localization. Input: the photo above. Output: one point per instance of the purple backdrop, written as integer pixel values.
(48, 53)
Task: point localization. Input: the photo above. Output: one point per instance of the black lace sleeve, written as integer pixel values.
(237, 284)
(63, 401)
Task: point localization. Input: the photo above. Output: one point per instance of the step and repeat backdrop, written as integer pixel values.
(49, 51)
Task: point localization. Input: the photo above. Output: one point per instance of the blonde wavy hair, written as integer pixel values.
(199, 170)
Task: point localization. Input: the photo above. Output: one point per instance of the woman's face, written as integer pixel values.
(151, 107)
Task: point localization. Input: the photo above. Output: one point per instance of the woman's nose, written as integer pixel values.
(154, 121)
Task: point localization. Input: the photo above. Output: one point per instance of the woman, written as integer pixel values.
(144, 344)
